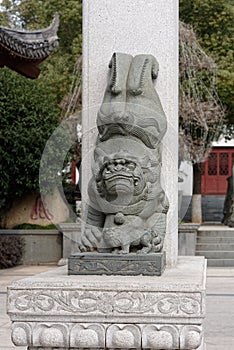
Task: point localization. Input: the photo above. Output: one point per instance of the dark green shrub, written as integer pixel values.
(28, 117)
(34, 227)
(11, 250)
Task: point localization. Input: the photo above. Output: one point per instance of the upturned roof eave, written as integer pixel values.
(32, 45)
(28, 35)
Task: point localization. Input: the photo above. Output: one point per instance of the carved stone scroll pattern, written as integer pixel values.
(117, 303)
(120, 267)
(48, 336)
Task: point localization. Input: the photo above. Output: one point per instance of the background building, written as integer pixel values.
(215, 172)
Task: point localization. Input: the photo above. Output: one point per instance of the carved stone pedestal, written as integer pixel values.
(117, 264)
(56, 311)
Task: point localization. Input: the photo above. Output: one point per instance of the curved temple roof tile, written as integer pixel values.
(22, 50)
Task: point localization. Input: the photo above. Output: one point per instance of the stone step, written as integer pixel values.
(215, 246)
(220, 262)
(215, 240)
(214, 254)
(216, 233)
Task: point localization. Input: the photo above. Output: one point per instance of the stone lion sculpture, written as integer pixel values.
(127, 206)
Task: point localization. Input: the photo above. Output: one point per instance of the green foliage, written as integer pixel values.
(225, 83)
(28, 116)
(58, 69)
(11, 250)
(30, 110)
(212, 21)
(213, 24)
(34, 227)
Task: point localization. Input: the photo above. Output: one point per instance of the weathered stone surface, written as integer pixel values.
(40, 246)
(32, 210)
(44, 336)
(160, 39)
(187, 239)
(76, 312)
(71, 237)
(116, 264)
(127, 205)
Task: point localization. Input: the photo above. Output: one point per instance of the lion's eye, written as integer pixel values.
(131, 166)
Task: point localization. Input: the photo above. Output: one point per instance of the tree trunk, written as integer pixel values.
(196, 199)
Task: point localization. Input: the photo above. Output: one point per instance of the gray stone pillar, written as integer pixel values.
(134, 27)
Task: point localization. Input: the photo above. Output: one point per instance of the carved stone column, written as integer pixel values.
(133, 27)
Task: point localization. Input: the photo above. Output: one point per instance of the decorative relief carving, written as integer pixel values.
(51, 334)
(108, 267)
(160, 337)
(88, 336)
(108, 302)
(130, 264)
(21, 334)
(122, 336)
(191, 337)
(48, 336)
(175, 304)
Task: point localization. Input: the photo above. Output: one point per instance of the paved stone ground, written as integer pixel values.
(219, 323)
(6, 277)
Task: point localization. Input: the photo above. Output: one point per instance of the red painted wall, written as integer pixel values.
(216, 170)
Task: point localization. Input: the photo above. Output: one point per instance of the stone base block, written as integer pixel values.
(116, 264)
(56, 311)
(187, 239)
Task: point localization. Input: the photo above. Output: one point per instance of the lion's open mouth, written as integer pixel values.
(118, 175)
(123, 184)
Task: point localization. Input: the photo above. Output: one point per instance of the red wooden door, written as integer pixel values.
(216, 170)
